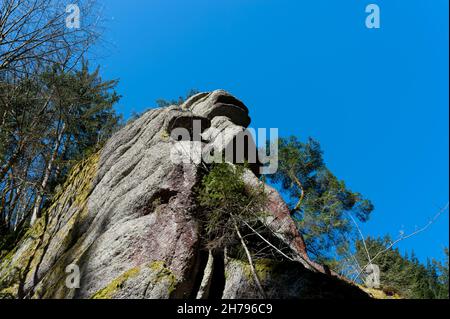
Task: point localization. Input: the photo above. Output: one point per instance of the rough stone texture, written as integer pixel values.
(126, 217)
(205, 285)
(284, 280)
(218, 103)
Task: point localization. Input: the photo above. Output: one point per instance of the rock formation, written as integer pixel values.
(126, 218)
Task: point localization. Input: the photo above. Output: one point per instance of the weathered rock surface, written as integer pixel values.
(283, 280)
(127, 218)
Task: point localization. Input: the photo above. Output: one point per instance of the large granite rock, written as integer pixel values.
(126, 217)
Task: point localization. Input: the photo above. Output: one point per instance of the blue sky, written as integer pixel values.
(377, 100)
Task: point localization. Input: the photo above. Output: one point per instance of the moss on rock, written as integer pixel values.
(265, 268)
(19, 265)
(159, 275)
(110, 290)
(163, 273)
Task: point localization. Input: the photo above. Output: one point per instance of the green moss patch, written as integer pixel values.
(21, 263)
(159, 273)
(110, 290)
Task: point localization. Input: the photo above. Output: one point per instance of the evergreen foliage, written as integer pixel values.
(48, 122)
(403, 274)
(179, 101)
(226, 201)
(321, 203)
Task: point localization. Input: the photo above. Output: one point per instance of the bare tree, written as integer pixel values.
(36, 33)
(350, 266)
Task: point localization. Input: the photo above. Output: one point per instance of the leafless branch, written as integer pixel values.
(403, 237)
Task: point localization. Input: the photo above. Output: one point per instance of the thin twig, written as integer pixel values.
(402, 237)
(270, 244)
(250, 261)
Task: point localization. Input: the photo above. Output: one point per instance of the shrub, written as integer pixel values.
(225, 202)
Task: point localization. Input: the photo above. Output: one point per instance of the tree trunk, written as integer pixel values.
(19, 213)
(302, 194)
(9, 204)
(12, 160)
(46, 178)
(63, 153)
(250, 261)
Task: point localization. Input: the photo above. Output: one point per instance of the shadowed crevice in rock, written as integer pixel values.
(218, 276)
(161, 197)
(244, 150)
(188, 122)
(200, 276)
(218, 103)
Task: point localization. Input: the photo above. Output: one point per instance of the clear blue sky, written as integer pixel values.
(377, 100)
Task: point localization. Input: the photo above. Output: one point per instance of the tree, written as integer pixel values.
(225, 202)
(165, 103)
(49, 122)
(321, 204)
(179, 101)
(83, 119)
(443, 272)
(231, 217)
(349, 259)
(35, 34)
(37, 133)
(401, 274)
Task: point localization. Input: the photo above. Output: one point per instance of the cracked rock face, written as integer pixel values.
(126, 219)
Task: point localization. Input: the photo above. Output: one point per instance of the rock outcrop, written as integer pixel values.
(126, 219)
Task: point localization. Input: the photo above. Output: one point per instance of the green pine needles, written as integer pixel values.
(226, 201)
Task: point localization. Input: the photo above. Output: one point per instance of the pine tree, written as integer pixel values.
(442, 275)
(321, 204)
(401, 274)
